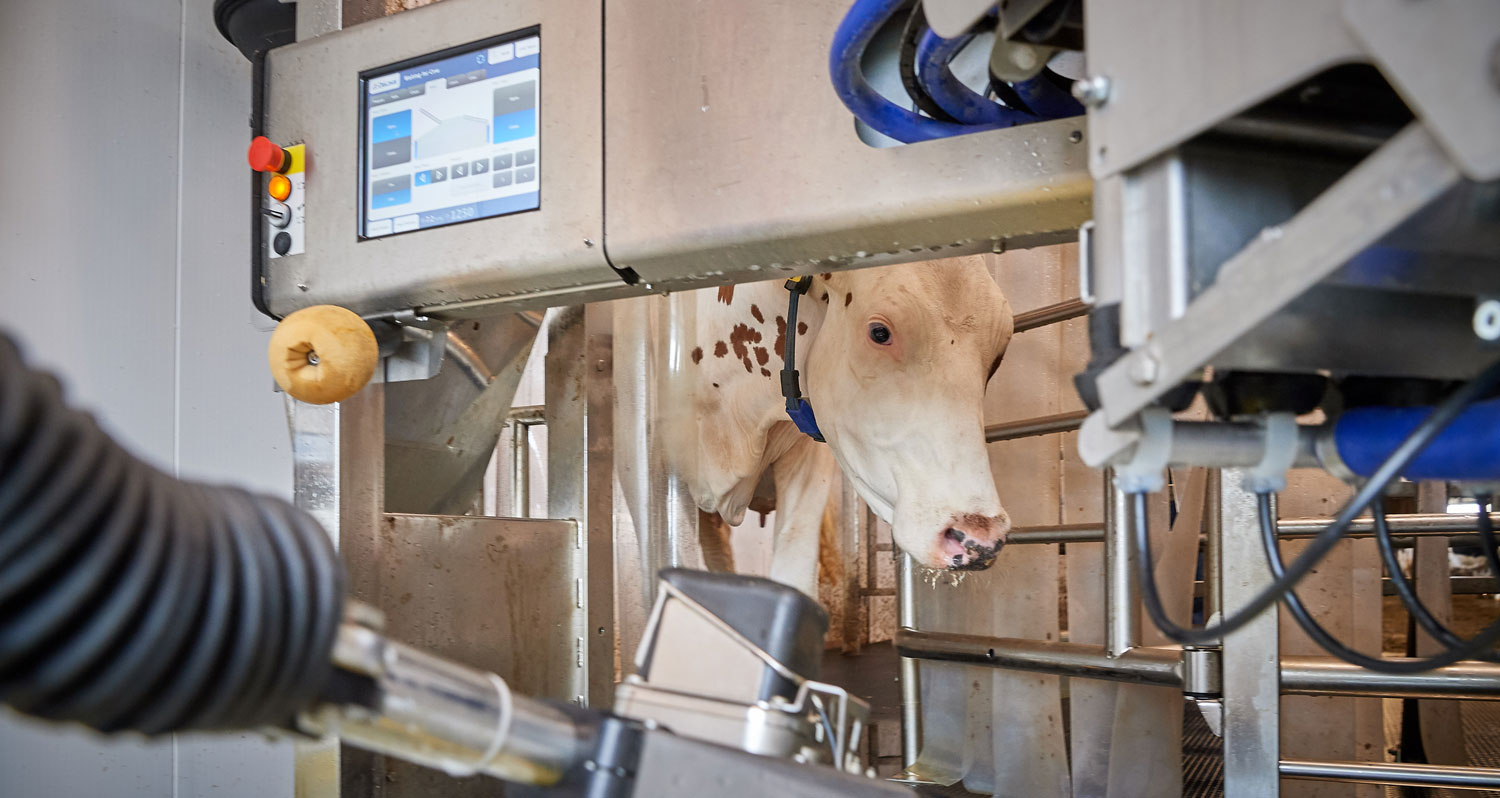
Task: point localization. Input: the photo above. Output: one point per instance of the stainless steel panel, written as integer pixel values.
(1443, 58)
(495, 594)
(313, 98)
(728, 155)
(1176, 67)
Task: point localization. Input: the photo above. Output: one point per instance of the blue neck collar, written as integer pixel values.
(798, 408)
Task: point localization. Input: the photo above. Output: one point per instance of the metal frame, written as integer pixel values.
(1250, 673)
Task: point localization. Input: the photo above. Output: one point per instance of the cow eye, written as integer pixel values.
(880, 334)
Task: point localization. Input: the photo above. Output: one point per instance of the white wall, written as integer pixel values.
(124, 268)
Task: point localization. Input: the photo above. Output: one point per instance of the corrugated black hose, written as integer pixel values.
(131, 600)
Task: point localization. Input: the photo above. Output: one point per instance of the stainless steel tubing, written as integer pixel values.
(1051, 314)
(1029, 427)
(1122, 600)
(446, 716)
(911, 685)
(1329, 676)
(1056, 533)
(1408, 525)
(1139, 665)
(1410, 775)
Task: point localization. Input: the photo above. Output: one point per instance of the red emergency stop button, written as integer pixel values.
(265, 156)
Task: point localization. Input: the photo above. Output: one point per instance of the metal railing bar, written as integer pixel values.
(1402, 773)
(1030, 427)
(1051, 314)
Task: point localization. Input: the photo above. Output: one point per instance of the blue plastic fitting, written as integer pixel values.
(1467, 451)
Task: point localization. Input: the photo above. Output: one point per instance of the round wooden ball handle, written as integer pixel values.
(322, 354)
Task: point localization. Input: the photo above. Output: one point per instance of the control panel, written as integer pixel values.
(452, 137)
(283, 206)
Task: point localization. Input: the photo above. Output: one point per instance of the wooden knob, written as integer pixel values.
(322, 354)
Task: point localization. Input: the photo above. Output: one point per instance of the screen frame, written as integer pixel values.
(362, 172)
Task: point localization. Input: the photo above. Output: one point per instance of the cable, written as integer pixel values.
(916, 23)
(1456, 651)
(853, 35)
(1404, 589)
(1441, 416)
(130, 600)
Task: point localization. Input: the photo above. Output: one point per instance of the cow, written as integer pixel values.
(894, 361)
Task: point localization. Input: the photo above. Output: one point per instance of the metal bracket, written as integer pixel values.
(1389, 186)
(411, 346)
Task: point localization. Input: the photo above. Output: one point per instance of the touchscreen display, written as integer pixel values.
(452, 137)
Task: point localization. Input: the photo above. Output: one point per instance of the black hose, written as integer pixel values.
(1454, 649)
(911, 32)
(1438, 420)
(130, 600)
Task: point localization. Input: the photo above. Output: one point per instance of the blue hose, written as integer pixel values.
(854, 34)
(934, 53)
(1046, 99)
(1468, 450)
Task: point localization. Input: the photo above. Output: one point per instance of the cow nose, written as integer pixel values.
(966, 552)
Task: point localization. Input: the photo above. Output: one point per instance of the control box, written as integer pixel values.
(424, 183)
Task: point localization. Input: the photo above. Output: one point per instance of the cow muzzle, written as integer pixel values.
(970, 543)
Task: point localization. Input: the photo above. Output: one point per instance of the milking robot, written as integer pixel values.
(1238, 177)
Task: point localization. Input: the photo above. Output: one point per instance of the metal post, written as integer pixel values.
(1122, 620)
(338, 474)
(1213, 579)
(580, 478)
(1251, 668)
(911, 684)
(520, 470)
(854, 521)
(649, 451)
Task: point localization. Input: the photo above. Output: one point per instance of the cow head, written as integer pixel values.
(897, 377)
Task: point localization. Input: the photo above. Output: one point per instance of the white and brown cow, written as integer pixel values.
(894, 361)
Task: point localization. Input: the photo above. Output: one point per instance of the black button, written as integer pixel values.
(502, 161)
(525, 157)
(282, 243)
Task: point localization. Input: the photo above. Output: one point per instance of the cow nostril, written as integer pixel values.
(954, 535)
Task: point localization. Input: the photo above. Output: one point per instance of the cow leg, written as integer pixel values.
(803, 478)
(713, 536)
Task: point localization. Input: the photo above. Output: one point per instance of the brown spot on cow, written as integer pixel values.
(755, 311)
(827, 275)
(824, 297)
(716, 385)
(765, 373)
(780, 346)
(726, 294)
(849, 297)
(740, 338)
(802, 328)
(761, 355)
(697, 355)
(721, 349)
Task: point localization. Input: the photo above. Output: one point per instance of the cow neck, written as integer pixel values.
(798, 407)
